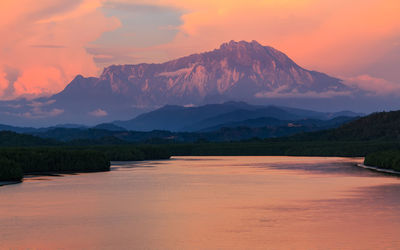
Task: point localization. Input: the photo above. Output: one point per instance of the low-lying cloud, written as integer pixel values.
(297, 94)
(373, 86)
(98, 113)
(37, 112)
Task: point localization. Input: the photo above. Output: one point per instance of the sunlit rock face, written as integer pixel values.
(237, 70)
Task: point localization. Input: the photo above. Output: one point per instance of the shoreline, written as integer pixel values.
(6, 183)
(58, 174)
(381, 170)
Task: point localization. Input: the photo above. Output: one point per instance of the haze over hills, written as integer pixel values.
(212, 122)
(378, 127)
(245, 71)
(190, 119)
(381, 126)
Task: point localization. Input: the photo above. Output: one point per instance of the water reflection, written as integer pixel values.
(207, 203)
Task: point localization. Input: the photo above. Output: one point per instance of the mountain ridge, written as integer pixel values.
(239, 71)
(236, 70)
(190, 119)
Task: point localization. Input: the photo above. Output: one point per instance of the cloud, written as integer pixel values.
(374, 86)
(48, 46)
(138, 7)
(41, 104)
(98, 113)
(37, 112)
(15, 106)
(296, 94)
(106, 56)
(144, 27)
(11, 75)
(45, 42)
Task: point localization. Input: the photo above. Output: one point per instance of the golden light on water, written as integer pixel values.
(207, 203)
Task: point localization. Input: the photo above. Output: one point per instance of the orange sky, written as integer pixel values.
(46, 43)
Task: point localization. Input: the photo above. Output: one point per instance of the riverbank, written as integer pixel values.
(281, 147)
(389, 159)
(17, 162)
(381, 170)
(4, 183)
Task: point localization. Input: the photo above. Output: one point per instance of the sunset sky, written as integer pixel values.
(44, 44)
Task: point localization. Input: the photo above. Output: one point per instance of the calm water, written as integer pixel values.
(206, 203)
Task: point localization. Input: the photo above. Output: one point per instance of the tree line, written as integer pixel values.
(15, 162)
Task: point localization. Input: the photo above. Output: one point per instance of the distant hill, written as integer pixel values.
(190, 119)
(4, 127)
(382, 126)
(305, 124)
(109, 126)
(12, 139)
(275, 128)
(30, 130)
(377, 126)
(174, 118)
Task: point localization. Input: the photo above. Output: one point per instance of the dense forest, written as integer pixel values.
(14, 162)
(12, 139)
(289, 148)
(383, 126)
(384, 159)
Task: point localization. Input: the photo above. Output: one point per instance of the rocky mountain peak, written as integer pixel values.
(233, 45)
(237, 70)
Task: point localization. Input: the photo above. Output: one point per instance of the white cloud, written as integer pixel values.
(41, 104)
(296, 94)
(37, 112)
(373, 85)
(98, 113)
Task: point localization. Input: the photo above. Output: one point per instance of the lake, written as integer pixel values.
(206, 203)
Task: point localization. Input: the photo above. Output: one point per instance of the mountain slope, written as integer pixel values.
(237, 70)
(241, 115)
(178, 118)
(174, 118)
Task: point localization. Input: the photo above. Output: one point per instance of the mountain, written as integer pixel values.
(179, 118)
(174, 118)
(109, 126)
(235, 71)
(240, 115)
(245, 71)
